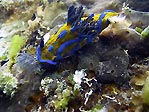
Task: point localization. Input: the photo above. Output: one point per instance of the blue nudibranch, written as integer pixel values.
(74, 34)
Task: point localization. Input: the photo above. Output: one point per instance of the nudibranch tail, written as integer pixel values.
(38, 54)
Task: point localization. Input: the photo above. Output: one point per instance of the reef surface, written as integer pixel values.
(110, 74)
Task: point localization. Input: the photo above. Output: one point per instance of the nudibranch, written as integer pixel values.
(73, 35)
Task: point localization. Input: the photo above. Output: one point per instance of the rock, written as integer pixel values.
(88, 61)
(139, 5)
(113, 67)
(88, 57)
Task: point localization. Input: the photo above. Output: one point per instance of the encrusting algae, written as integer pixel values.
(17, 43)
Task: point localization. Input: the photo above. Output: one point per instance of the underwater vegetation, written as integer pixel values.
(15, 47)
(8, 83)
(145, 32)
(145, 91)
(74, 56)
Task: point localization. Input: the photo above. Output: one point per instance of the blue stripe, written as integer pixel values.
(108, 11)
(48, 61)
(38, 54)
(65, 45)
(50, 48)
(62, 34)
(99, 22)
(91, 15)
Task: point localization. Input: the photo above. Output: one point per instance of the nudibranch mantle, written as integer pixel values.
(74, 34)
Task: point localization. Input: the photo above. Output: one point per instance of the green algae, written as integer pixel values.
(17, 43)
(3, 57)
(139, 30)
(8, 83)
(145, 32)
(96, 108)
(62, 101)
(145, 91)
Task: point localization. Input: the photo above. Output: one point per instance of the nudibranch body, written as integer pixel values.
(74, 34)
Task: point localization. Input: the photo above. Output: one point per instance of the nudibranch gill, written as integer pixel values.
(74, 34)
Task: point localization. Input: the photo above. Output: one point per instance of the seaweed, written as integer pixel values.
(62, 101)
(15, 47)
(8, 83)
(145, 32)
(145, 91)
